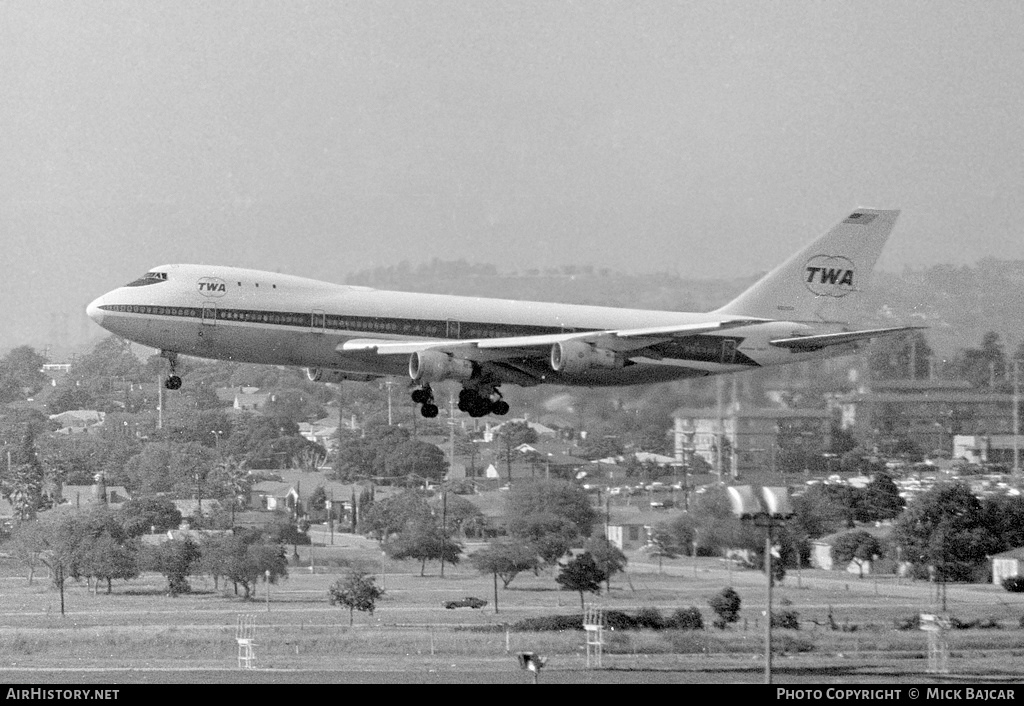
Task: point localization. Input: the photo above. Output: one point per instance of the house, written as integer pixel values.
(195, 535)
(81, 495)
(242, 399)
(542, 431)
(189, 508)
(78, 421)
(272, 495)
(821, 552)
(631, 527)
(1007, 565)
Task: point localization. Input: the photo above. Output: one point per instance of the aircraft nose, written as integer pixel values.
(94, 311)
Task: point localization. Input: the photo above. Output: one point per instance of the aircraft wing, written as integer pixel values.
(819, 341)
(622, 340)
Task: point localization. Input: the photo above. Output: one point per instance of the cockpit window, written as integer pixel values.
(148, 278)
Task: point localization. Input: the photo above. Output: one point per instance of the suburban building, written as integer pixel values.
(931, 413)
(1007, 565)
(78, 421)
(747, 438)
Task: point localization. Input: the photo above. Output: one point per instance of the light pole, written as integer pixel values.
(770, 510)
(1016, 419)
(267, 575)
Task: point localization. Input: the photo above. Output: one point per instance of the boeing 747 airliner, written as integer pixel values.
(797, 312)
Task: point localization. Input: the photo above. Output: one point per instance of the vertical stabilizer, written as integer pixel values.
(822, 282)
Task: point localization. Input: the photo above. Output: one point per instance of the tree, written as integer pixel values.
(247, 558)
(582, 574)
(511, 436)
(60, 536)
(665, 545)
(423, 539)
(415, 459)
(23, 486)
(944, 528)
(106, 551)
(28, 542)
(550, 514)
(105, 558)
(506, 558)
(21, 374)
(356, 590)
(900, 357)
(459, 513)
(1004, 516)
(726, 605)
(176, 559)
(609, 558)
(982, 366)
(383, 518)
(860, 547)
(881, 499)
(141, 515)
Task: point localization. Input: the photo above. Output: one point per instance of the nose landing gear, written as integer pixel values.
(173, 382)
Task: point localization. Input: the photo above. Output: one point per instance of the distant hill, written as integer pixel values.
(957, 304)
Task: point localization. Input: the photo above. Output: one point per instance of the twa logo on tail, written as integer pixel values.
(829, 275)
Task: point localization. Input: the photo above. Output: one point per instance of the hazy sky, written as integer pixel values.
(319, 138)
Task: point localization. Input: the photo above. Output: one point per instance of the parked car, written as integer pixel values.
(467, 602)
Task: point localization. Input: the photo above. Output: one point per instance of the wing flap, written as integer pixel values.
(512, 346)
(824, 340)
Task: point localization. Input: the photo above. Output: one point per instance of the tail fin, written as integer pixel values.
(823, 281)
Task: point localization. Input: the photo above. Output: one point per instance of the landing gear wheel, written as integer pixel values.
(173, 382)
(422, 395)
(500, 408)
(429, 410)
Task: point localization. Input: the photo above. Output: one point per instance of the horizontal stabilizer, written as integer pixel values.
(813, 343)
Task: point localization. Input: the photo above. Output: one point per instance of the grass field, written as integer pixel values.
(138, 627)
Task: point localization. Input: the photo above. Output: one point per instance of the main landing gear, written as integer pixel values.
(475, 403)
(425, 396)
(173, 382)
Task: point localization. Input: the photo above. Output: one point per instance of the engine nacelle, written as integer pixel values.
(577, 357)
(435, 366)
(332, 375)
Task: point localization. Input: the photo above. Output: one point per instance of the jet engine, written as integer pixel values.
(577, 357)
(332, 375)
(435, 366)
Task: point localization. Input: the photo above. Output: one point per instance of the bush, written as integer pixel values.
(650, 618)
(551, 622)
(911, 623)
(791, 644)
(617, 620)
(1014, 584)
(691, 619)
(786, 619)
(726, 606)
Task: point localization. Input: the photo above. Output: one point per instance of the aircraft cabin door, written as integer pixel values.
(453, 329)
(209, 317)
(318, 321)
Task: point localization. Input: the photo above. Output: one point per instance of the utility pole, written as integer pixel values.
(1016, 418)
(444, 525)
(389, 384)
(721, 429)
